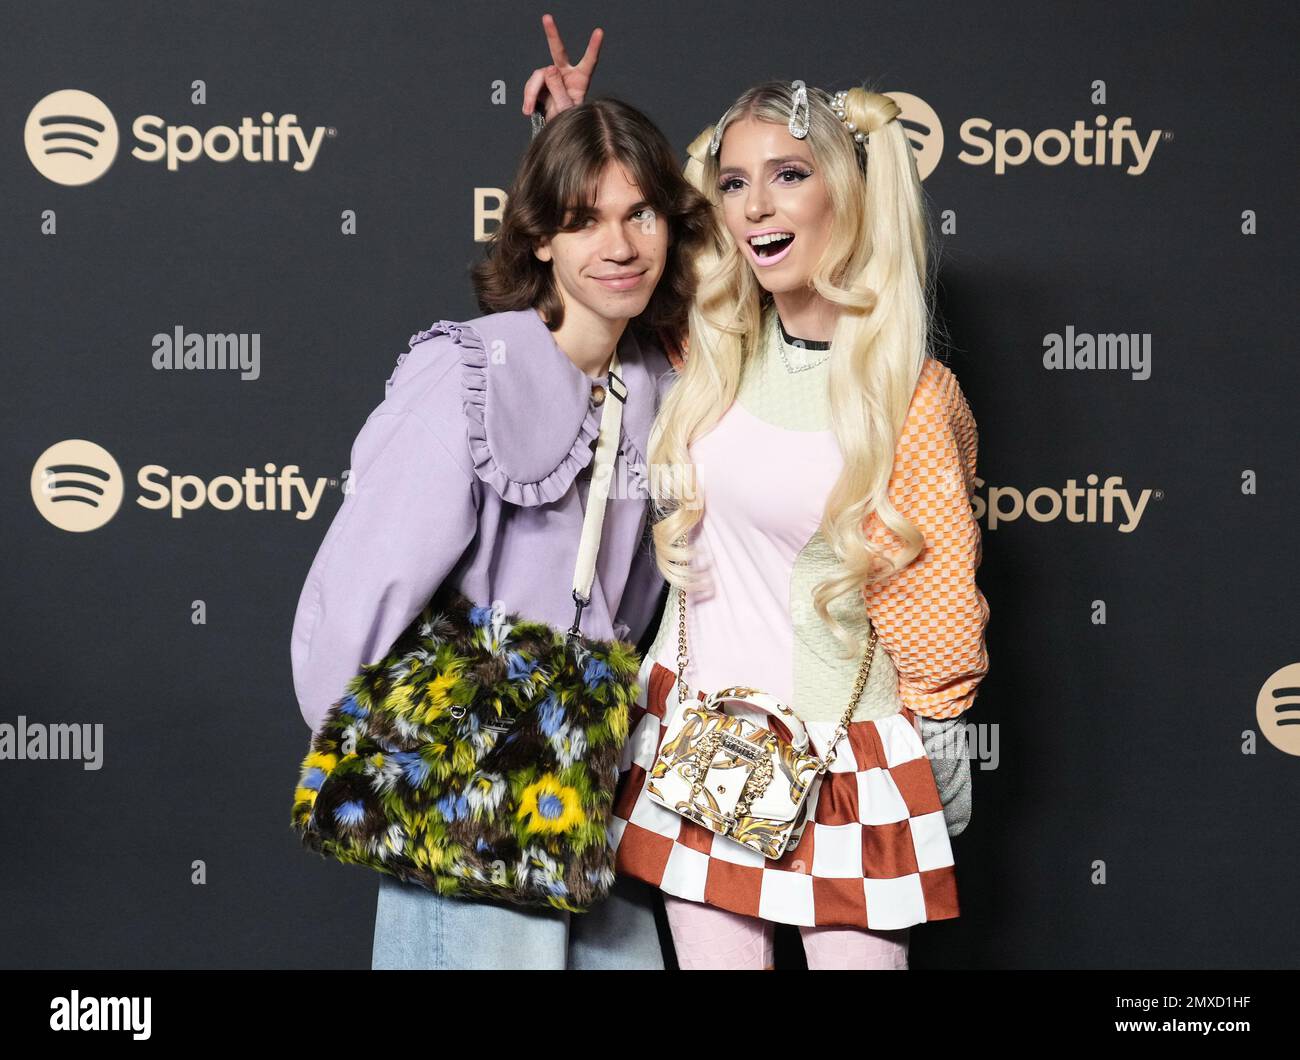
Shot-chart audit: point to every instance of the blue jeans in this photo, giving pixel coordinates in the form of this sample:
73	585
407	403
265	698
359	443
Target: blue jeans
416	928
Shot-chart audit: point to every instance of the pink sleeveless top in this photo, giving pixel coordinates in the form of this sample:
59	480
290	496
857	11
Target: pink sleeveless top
766	487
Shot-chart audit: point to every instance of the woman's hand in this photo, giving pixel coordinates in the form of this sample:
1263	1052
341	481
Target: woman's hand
562	85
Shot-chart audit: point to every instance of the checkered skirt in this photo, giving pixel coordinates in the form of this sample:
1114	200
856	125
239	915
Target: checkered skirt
874	855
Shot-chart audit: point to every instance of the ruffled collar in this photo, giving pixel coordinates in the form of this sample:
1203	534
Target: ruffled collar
528	407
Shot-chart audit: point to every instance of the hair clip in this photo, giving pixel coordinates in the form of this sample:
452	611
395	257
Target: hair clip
837	106
799	125
715	142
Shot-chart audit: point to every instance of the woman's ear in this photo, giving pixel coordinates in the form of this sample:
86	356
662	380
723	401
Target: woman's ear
542	250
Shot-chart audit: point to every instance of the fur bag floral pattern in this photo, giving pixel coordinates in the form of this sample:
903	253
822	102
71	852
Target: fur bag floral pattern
478	758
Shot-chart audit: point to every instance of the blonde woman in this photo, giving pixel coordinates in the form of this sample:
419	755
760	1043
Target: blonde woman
822	468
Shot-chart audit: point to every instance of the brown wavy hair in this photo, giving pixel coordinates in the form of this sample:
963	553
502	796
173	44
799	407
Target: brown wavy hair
558	178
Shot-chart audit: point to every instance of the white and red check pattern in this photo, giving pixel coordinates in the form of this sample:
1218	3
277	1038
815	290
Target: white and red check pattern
875	854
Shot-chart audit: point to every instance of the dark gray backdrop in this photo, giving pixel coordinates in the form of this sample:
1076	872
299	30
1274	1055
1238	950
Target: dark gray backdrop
1119	743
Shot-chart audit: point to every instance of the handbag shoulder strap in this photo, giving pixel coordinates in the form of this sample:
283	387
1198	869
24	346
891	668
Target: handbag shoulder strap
593	520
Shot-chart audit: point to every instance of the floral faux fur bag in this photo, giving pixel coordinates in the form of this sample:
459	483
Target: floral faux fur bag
478	758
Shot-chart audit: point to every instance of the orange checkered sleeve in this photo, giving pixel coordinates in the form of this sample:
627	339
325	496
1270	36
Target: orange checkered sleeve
931	616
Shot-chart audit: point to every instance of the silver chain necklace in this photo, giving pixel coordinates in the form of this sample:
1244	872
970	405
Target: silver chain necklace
794	349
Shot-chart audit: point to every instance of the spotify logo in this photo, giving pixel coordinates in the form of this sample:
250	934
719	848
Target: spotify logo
77	485
71	137
1095	141
1277	709
924	131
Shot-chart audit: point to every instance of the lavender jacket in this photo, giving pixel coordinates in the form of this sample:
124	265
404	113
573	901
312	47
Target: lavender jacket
474	470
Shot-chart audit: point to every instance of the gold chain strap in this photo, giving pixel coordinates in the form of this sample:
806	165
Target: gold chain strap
863	670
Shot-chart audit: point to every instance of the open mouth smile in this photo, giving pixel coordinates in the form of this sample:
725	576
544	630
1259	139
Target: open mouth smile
768	247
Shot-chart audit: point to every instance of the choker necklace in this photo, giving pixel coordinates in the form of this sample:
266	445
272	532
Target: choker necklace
794	352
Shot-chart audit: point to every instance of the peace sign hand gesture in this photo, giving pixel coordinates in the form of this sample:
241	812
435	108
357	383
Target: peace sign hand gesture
562	85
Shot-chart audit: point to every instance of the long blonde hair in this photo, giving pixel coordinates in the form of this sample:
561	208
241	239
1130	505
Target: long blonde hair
875	269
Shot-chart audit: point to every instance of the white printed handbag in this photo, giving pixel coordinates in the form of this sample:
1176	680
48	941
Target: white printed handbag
734	777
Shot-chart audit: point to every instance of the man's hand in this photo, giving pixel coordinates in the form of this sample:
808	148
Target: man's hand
562	85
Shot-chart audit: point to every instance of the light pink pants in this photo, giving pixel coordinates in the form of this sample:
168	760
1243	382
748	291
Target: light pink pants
705	936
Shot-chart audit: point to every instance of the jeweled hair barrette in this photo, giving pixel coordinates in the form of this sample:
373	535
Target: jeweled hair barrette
799	117
798	124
